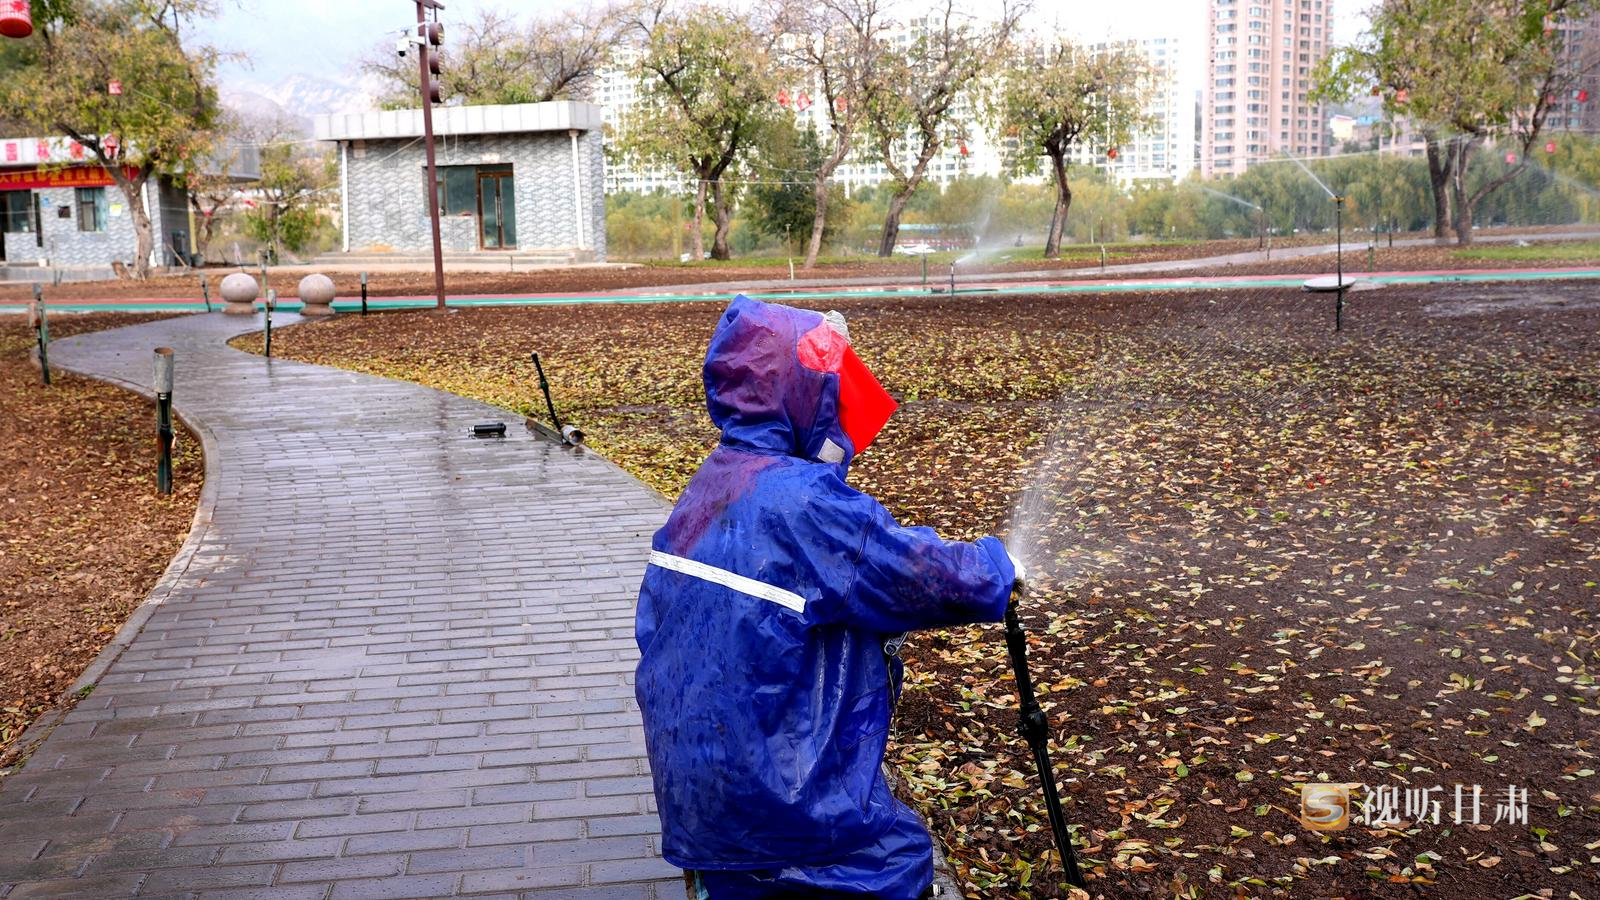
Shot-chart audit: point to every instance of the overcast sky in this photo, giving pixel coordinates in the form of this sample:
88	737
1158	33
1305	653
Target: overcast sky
324	38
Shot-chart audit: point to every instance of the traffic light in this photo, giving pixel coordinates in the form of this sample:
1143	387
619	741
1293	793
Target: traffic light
433	34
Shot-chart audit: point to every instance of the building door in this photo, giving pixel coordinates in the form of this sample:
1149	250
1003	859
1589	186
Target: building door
497	211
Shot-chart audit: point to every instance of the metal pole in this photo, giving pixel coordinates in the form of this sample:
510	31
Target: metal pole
363	293
42	322
427	141
1338	228
1034	727
270	302
952	279
924	270
164	433
205	291
544	386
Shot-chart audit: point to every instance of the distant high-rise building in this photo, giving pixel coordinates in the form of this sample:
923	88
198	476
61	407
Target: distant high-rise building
1258	82
1165	149
1578	109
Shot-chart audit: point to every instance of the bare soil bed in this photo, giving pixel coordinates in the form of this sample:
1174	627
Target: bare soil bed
1269	555
83	534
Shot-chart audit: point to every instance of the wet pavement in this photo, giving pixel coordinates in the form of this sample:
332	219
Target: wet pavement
393	660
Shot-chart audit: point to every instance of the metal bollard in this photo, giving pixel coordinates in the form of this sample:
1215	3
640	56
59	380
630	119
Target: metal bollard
164	433
41	326
205	291
363	293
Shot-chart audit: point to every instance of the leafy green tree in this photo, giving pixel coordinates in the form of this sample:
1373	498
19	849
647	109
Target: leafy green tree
784	207
1469	72
289	196
1056	96
707	78
159	125
915	90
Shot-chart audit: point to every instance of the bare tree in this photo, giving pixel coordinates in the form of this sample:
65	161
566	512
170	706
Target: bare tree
914	92
839	44
494	58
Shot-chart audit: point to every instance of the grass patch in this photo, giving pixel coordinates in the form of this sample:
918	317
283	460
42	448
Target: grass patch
1583	250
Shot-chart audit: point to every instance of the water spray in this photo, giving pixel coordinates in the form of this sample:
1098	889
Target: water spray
1034	726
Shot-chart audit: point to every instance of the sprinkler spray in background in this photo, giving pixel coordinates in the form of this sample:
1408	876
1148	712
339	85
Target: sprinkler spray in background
1034	727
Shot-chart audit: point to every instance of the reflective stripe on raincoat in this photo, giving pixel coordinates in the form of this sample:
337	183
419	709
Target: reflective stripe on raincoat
762	617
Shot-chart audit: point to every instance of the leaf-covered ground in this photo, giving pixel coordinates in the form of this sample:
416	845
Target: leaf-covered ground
1271	555
83	535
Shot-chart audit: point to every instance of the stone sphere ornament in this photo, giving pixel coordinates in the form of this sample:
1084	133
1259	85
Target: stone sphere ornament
240	292
316	292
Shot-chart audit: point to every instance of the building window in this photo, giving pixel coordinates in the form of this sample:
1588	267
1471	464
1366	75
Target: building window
92	209
16	211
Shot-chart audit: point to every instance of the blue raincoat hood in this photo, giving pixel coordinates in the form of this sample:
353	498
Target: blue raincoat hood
764	688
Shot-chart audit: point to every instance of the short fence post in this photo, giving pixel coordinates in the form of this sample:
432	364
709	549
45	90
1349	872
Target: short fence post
363	293
205	291
164	434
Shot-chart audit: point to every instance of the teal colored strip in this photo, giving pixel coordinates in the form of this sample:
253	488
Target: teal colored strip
1116	287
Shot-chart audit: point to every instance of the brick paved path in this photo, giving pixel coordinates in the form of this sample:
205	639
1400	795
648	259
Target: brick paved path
398	662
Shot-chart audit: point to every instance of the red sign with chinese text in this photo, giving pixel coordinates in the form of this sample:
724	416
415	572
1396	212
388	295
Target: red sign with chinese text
77	176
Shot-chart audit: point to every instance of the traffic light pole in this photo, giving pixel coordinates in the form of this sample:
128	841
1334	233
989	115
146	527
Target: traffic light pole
425	49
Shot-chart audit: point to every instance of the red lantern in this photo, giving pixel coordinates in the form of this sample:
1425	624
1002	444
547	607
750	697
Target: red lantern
840	103
111	145
1112	153
962	145
1583	96
1511	159
114	88
802	101
783	99
1402	95
1550	146
16	18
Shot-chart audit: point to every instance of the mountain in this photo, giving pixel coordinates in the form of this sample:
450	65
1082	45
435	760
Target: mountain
299	97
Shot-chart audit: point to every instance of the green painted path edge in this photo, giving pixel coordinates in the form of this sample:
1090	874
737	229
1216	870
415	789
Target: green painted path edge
1104	287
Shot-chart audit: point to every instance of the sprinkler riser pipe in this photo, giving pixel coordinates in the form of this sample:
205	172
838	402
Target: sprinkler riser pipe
1034	727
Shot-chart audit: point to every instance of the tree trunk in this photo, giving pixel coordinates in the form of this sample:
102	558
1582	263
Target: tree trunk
1460	200
819	221
697	246
1439	165
143	238
891	223
1058	220
724	217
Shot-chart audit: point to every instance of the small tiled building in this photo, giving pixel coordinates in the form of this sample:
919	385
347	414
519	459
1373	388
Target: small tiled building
61	211
527	177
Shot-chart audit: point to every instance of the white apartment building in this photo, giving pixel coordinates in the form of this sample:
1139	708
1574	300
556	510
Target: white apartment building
1166	149
1258	81
969	149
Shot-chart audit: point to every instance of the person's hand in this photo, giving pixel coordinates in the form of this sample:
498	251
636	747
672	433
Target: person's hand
1022	574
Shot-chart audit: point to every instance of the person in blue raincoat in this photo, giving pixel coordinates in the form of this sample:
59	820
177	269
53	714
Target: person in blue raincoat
763	620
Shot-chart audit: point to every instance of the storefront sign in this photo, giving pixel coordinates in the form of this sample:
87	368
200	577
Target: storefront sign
74	176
